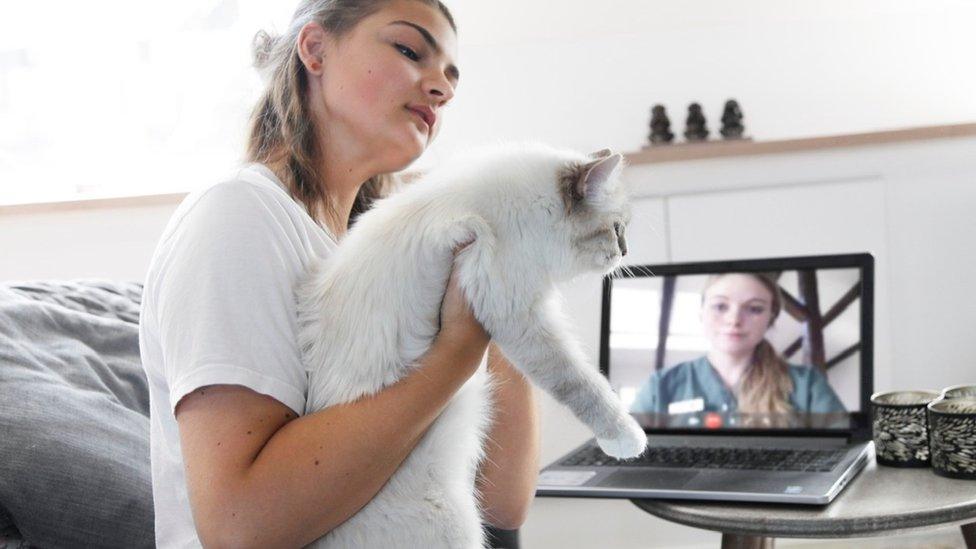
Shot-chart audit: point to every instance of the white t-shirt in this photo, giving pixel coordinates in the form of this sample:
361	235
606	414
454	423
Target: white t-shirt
218	308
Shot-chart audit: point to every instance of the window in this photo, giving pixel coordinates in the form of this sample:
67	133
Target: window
125	97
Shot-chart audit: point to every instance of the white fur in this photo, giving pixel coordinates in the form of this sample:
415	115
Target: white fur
371	311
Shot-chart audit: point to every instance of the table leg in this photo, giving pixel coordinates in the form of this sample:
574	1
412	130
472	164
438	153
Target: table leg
736	541
969	534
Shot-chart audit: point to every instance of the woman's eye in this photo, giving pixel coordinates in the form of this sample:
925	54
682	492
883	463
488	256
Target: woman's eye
757	310
409	53
719	307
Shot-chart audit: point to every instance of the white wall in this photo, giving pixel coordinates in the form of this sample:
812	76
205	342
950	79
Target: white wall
584	74
577	73
114	243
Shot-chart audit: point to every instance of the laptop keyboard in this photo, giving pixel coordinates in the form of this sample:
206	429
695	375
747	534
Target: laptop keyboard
770	459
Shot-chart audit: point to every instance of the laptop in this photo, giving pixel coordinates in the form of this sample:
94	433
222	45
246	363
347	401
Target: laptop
751	378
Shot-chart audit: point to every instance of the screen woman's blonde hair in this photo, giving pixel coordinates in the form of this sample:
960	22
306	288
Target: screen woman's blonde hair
766	386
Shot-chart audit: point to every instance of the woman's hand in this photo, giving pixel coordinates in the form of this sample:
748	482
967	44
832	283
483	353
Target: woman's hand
459	328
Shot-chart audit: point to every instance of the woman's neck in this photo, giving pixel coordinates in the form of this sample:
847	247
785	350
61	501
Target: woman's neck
340	183
730	367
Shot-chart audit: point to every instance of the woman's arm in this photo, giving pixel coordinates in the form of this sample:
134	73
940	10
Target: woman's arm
260	477
507	477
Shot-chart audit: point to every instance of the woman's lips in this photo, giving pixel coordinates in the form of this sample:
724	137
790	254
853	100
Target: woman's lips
420	116
424	114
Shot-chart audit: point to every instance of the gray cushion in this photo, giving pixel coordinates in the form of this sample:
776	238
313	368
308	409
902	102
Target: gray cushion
74	415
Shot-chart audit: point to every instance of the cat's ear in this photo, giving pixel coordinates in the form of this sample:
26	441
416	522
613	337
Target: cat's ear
595	175
580	182
602	153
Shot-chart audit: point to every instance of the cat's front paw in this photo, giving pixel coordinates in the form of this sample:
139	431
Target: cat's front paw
630	441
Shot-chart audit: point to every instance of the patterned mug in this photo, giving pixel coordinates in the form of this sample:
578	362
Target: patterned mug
901	436
953	437
959	391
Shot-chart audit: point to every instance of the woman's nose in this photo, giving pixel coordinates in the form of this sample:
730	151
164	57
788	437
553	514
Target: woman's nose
438	88
734	317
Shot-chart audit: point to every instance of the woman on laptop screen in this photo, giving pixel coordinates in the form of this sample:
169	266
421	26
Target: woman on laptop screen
741	375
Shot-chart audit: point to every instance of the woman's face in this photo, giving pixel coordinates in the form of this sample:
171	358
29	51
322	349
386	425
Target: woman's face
736	313
385	82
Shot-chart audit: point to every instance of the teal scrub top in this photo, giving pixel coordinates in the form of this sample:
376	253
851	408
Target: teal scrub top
698	379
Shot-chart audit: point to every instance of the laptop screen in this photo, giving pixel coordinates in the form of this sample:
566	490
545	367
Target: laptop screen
766	344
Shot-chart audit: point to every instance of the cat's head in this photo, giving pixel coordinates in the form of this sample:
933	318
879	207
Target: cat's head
595	213
566	211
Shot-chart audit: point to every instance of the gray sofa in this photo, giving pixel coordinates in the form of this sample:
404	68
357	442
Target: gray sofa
74	418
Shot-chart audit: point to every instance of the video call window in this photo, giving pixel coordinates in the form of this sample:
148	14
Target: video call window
678	343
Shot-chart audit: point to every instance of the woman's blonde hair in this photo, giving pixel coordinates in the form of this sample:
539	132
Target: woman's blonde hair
282	129
766	386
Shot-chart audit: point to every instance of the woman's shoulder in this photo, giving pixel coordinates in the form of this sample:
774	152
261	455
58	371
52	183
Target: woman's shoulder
250	199
248	189
805	373
681	371
241	219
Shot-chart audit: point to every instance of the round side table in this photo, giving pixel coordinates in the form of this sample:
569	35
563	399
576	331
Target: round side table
880	500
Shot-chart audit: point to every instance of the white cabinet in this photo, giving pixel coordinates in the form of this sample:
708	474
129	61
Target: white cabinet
825	218
778	221
909	205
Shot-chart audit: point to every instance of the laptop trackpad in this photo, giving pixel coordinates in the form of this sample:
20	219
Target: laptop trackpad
649	479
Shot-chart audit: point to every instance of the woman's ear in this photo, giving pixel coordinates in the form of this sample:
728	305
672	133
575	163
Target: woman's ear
311	46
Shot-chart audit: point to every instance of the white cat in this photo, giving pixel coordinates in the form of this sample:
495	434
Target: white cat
538	216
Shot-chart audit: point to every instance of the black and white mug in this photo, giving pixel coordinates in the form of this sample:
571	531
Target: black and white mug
952	424
900	427
959	391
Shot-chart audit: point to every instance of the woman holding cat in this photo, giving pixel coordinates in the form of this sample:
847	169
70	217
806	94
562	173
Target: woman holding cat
356	92
741	371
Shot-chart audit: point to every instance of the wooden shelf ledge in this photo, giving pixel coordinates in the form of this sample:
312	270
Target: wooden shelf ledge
680	152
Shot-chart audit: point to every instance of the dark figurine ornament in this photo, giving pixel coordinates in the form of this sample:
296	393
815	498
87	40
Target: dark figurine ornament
660	127
695	125
732	127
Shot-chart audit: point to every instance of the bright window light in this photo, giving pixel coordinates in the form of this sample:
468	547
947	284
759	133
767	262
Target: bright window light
120	98
635	314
